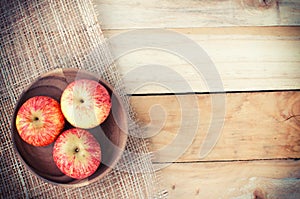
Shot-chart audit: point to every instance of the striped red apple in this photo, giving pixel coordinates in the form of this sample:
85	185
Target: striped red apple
77	153
85	103
39	120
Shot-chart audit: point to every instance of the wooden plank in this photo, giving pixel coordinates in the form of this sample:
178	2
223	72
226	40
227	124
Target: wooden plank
246	58
233	180
123	14
288	11
261	125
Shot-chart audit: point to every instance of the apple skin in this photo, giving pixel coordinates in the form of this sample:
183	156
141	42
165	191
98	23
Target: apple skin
77	153
39	120
85	103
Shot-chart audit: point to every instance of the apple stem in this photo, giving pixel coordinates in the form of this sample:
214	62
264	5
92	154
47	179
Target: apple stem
35	118
76	149
81	101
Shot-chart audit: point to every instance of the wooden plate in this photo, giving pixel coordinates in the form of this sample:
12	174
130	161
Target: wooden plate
112	134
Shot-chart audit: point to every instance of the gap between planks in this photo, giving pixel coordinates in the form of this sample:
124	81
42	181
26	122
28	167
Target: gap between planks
227	161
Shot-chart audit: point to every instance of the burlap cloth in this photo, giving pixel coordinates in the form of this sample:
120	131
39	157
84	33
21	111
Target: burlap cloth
39	36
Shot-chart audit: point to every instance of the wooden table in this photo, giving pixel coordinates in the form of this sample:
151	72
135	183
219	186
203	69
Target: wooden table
255	48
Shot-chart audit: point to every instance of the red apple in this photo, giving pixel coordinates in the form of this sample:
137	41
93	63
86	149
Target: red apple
39	120
77	153
85	103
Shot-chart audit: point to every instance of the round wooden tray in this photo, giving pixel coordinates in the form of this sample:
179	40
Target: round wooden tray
111	134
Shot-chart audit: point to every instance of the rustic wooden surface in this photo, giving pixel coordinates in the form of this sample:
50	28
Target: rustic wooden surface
255	46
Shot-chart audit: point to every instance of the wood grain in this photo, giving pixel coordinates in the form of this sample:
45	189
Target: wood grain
255	46
126	14
234	180
260	125
246	58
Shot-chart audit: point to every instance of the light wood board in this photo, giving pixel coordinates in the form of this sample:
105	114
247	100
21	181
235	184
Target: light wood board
234	180
246	59
262	125
124	14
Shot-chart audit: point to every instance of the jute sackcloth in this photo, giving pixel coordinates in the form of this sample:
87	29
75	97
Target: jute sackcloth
37	36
